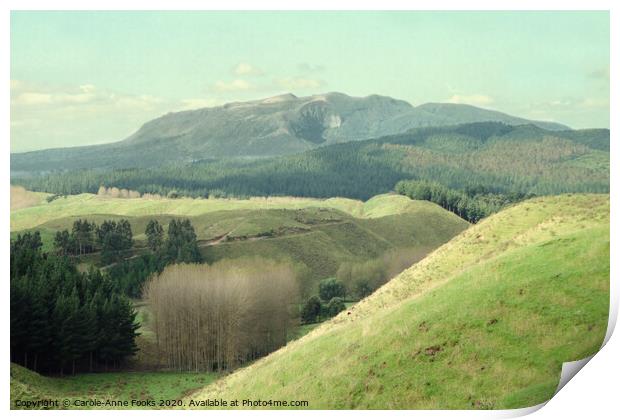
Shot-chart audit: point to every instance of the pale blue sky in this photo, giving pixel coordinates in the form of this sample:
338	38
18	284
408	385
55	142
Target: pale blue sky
91	77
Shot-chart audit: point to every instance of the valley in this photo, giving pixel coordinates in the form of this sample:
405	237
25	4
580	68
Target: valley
309	209
504	301
394	265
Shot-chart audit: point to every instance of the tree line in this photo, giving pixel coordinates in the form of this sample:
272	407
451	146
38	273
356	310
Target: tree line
178	245
472	204
113	238
63	320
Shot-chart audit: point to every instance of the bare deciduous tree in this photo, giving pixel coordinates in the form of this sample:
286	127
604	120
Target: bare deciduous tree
220	316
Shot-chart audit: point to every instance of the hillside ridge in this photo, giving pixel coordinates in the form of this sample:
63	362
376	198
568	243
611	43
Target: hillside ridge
477	287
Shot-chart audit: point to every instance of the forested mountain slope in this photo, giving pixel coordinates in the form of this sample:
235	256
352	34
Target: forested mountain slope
485	321
494	156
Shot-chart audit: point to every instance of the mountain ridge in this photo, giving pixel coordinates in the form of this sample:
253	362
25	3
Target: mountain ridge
280	125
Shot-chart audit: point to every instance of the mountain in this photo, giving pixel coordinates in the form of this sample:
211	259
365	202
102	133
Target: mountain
484	322
280	125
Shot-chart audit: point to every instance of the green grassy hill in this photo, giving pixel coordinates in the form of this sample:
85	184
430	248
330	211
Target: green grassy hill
485	321
316	234
84	205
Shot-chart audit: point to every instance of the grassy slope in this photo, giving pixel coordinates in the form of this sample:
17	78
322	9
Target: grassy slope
319	234
124	386
485	321
90	204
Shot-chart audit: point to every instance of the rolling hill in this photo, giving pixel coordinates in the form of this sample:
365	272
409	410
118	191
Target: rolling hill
276	126
485	321
316	235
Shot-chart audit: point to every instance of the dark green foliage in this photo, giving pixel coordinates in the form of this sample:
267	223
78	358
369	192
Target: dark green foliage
331	288
53	197
473	204
63	320
363	288
311	310
335	306
129	276
181	245
503	159
328	304
64	242
154	235
25	250
115	240
83	234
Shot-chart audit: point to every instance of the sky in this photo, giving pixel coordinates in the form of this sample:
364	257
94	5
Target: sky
80	78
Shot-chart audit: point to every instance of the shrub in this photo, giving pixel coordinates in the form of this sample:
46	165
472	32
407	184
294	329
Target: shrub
311	310
331	288
335	306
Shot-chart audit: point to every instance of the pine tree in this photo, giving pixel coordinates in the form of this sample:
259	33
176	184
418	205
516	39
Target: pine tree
155	235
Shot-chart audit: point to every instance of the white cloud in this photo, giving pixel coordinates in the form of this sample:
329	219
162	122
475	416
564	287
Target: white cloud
51	116
87	88
232	86
577	111
292	83
595	103
87	96
32	98
476	99
144	102
246	69
573	103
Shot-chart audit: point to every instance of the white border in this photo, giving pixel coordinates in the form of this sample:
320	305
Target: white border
593	393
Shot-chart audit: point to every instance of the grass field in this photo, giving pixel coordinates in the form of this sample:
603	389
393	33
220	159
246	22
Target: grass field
485	321
117	386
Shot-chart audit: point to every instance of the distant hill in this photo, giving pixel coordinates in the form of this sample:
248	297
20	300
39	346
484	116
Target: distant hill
276	126
496	156
317	235
484	322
